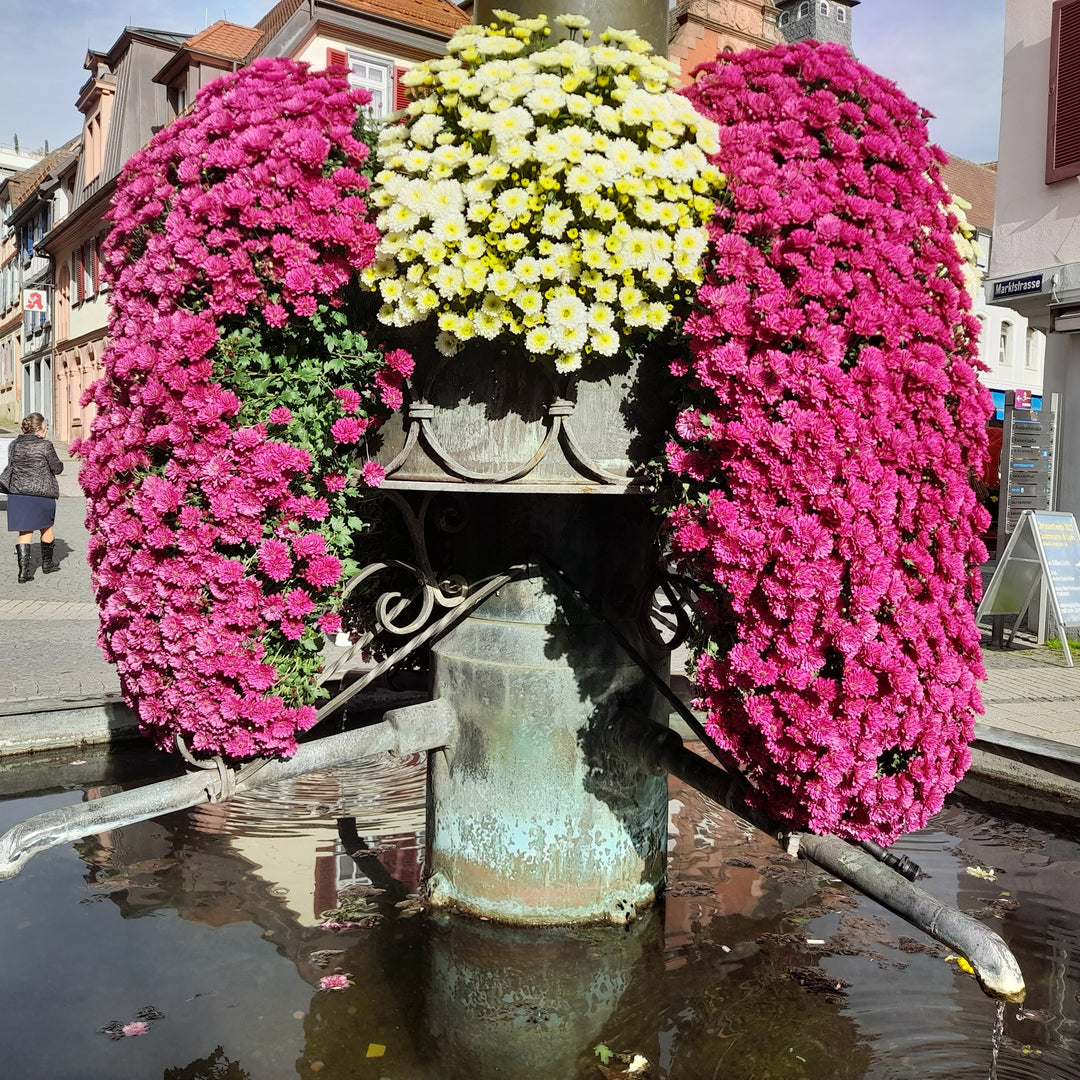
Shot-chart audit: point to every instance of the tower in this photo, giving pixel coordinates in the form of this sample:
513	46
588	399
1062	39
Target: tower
819	20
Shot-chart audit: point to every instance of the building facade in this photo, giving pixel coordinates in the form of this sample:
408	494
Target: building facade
1035	263
702	29
146	80
31	201
816	20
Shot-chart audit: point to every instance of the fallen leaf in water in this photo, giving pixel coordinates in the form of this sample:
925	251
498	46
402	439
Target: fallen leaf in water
981	872
375	1050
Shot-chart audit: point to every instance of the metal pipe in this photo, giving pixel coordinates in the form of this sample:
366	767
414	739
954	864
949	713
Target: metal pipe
993	963
428	727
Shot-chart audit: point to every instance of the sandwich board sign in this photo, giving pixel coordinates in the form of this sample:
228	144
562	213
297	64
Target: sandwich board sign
1044	549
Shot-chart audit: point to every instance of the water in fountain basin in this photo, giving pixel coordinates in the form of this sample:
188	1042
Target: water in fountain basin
756	966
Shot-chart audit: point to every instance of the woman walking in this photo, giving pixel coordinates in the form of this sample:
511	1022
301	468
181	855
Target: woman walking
32	494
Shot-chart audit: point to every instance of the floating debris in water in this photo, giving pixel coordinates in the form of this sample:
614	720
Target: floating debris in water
336	982
322	957
119	1029
983	872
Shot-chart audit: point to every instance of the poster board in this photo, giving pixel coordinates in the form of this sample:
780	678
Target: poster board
1044	548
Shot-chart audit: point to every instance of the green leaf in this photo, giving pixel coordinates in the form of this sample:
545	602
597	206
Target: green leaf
603	1053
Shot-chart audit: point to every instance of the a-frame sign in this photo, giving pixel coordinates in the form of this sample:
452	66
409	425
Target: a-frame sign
1044	547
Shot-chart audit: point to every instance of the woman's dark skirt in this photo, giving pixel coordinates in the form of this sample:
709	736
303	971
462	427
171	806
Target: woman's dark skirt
27	513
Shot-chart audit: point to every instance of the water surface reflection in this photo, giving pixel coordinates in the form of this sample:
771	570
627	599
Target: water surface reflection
755	967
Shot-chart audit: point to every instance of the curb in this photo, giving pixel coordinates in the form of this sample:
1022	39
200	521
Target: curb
54	725
1024	761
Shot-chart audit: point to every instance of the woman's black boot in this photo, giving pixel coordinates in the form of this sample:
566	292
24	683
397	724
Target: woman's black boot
47	564
26	572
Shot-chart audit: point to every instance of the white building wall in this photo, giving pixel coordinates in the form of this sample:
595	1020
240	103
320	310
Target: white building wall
1037	225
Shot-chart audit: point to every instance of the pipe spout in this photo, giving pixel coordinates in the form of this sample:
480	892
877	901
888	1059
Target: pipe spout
995	967
402	731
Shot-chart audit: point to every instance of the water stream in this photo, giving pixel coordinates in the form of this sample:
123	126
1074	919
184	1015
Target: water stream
755	968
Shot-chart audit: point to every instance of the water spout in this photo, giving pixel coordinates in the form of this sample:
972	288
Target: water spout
427	728
995	967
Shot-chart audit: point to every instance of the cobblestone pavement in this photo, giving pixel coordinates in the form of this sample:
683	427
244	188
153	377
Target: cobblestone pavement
49	657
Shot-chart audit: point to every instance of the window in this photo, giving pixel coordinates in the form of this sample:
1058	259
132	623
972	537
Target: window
1005	344
369	73
1063	114
804	9
841	14
1033	353
784	16
824	8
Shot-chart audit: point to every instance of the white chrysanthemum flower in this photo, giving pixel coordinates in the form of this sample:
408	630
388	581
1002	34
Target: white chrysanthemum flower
514	153
445	197
427	301
447	344
450	228
416	76
515	242
669	215
473	247
548	147
659	274
606	291
555	220
529	301
601	315
604	341
397	218
578	105
638	250
527	269
567	362
580	181
502	283
566	309
425	129
449	281
513	202
511	123
608	119
538	340
488	324
475	275
545	101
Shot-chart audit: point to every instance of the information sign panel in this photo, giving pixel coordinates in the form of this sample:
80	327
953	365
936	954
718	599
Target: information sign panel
1044	547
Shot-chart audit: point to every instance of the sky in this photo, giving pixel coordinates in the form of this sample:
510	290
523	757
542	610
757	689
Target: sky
945	54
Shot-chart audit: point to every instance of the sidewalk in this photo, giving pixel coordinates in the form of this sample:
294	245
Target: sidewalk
50	662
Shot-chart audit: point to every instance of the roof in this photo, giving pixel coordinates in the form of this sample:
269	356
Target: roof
164	38
225	39
976	184
23	184
439	16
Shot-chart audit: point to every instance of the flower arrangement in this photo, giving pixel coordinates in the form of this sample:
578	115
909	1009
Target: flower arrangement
218	469
549	191
821	469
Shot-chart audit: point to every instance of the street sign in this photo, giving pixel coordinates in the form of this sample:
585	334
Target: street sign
1044	548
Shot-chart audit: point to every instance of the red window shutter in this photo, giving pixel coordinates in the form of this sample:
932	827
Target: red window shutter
1063	121
337	58
95	264
401	97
